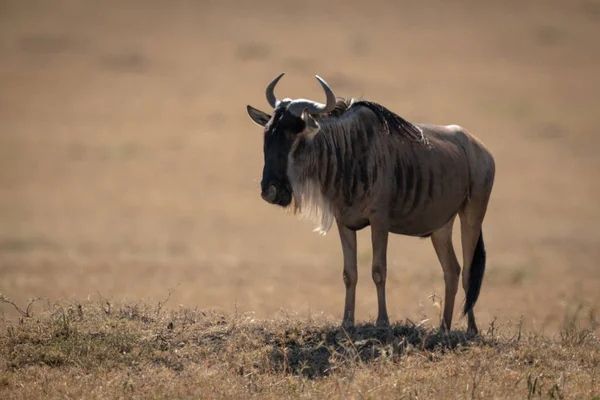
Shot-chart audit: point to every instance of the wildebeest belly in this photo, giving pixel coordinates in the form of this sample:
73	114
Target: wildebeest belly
426	221
429	203
421	223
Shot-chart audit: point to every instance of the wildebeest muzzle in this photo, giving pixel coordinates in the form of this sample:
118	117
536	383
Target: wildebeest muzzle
269	195
276	194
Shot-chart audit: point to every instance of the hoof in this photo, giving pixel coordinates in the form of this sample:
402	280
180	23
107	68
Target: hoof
472	330
348	325
382	323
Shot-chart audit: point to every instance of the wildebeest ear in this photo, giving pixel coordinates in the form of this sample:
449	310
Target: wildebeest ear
259	117
312	126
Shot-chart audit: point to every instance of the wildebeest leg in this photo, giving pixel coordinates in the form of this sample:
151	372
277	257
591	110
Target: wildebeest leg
471	218
348	238
442	243
379	239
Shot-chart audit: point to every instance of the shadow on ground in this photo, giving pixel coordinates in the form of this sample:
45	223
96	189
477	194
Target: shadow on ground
316	351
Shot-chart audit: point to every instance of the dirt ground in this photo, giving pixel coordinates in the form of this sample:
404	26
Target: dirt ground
128	164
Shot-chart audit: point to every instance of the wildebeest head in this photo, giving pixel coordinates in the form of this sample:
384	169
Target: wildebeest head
290	120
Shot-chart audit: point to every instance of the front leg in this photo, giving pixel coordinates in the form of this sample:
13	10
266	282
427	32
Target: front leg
379	238
348	238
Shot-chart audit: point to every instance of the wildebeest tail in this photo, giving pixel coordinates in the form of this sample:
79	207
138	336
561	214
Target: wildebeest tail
476	274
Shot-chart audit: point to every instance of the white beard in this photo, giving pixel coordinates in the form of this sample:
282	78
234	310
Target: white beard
310	204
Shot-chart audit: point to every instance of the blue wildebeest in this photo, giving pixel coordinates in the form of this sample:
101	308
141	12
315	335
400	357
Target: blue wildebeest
359	164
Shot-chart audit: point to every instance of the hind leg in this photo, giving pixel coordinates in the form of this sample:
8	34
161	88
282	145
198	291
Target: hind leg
471	219
442	243
469	235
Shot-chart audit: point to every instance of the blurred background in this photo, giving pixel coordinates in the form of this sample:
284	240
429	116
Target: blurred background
128	164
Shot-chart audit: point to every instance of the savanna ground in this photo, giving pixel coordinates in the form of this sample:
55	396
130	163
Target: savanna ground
129	170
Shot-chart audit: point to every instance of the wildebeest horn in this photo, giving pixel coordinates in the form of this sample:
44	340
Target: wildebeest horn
297	106
270	95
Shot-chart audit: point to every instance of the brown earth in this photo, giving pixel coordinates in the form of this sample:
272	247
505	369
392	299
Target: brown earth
128	164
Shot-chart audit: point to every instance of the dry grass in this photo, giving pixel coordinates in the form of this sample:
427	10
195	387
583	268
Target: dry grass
103	350
128	162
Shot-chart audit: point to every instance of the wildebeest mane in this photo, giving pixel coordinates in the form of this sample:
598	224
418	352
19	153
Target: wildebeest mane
392	123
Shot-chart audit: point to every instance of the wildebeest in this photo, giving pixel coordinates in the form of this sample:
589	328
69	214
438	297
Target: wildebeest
356	162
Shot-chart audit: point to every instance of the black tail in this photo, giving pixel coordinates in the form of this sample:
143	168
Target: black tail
476	274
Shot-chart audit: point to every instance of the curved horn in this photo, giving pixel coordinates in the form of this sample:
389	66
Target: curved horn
313	107
270	95
330	105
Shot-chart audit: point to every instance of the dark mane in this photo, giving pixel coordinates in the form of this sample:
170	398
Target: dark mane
392	123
